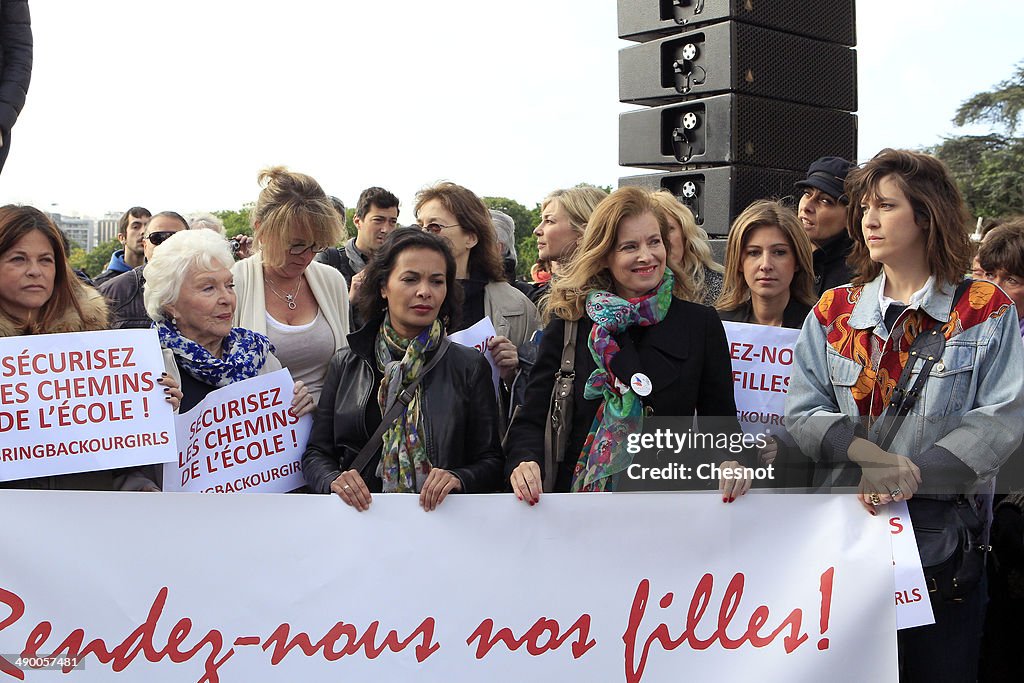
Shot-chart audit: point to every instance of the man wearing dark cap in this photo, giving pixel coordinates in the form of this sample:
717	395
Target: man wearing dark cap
823	214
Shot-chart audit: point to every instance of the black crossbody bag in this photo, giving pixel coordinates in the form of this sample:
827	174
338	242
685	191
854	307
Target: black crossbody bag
950	533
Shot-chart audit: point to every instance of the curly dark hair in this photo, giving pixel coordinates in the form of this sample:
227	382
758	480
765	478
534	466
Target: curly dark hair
369	301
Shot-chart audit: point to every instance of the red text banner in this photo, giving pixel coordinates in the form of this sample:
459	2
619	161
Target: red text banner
594	587
81	402
241	439
762	360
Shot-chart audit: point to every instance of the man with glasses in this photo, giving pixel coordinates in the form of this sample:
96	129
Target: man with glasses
124	292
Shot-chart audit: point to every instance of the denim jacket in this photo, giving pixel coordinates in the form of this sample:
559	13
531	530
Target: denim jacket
971	407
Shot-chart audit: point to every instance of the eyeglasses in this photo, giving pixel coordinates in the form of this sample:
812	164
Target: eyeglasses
437	227
158	238
299	250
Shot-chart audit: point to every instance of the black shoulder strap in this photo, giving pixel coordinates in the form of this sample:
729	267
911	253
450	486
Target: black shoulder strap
928	346
373	446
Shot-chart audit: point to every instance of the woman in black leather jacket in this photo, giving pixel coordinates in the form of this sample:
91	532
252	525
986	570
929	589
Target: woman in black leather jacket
409	296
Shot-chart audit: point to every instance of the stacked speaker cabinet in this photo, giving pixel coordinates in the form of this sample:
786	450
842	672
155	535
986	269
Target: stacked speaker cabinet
740	97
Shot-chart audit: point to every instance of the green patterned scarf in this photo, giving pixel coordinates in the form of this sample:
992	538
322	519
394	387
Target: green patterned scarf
404	464
604	450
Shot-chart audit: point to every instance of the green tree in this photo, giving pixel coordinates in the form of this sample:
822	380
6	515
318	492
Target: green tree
526	249
987	167
525	220
988	170
236	222
1001	107
95	262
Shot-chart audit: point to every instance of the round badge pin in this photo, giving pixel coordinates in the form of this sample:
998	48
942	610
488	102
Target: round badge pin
641	384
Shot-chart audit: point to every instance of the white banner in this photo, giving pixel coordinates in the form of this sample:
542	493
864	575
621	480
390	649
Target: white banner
477	337
241	439
913	606
582	587
762	359
81	402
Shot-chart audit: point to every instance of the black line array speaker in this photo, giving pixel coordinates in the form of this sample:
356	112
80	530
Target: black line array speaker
829	20
717	195
734	129
735	57
742	96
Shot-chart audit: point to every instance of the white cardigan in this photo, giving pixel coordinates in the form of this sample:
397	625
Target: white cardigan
327	285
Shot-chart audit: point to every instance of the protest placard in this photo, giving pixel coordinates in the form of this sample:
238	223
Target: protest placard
762	359
636	588
241	439
477	337
913	605
81	402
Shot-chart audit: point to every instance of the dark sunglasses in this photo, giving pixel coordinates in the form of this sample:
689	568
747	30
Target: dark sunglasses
158	238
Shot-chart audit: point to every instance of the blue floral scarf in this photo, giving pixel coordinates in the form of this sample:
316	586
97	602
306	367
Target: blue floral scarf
245	354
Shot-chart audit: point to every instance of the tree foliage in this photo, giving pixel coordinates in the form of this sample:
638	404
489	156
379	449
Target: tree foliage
524	219
95	262
236	222
988	167
526	249
1001	107
988	170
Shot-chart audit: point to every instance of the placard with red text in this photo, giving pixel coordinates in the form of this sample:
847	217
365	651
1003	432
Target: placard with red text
477	337
762	359
241	439
638	588
81	402
913	604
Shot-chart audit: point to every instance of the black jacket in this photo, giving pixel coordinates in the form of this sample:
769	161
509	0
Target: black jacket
685	356
337	258
792	317
124	294
15	66
459	407
830	269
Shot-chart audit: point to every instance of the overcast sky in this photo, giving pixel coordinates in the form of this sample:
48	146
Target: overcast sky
177	105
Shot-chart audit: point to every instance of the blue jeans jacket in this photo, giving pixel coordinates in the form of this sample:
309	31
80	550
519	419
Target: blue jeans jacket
972	405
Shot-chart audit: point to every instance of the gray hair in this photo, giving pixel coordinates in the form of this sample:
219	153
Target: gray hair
206	220
506	229
175	260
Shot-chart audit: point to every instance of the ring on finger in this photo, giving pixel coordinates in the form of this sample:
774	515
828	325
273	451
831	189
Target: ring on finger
876	499
346	487
895	492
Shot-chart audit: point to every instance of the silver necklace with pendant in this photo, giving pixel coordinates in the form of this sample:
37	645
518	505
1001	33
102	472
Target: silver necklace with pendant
287	298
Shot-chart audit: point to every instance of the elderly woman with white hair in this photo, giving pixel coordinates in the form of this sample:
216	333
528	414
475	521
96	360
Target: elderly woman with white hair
190	296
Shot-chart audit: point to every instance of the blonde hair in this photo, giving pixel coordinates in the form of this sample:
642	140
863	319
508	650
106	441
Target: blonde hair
290	205
578	203
588	270
696	254
761	214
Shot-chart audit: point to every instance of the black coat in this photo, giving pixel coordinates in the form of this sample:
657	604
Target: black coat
830	268
459	408
127	306
792	317
15	66
685	356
